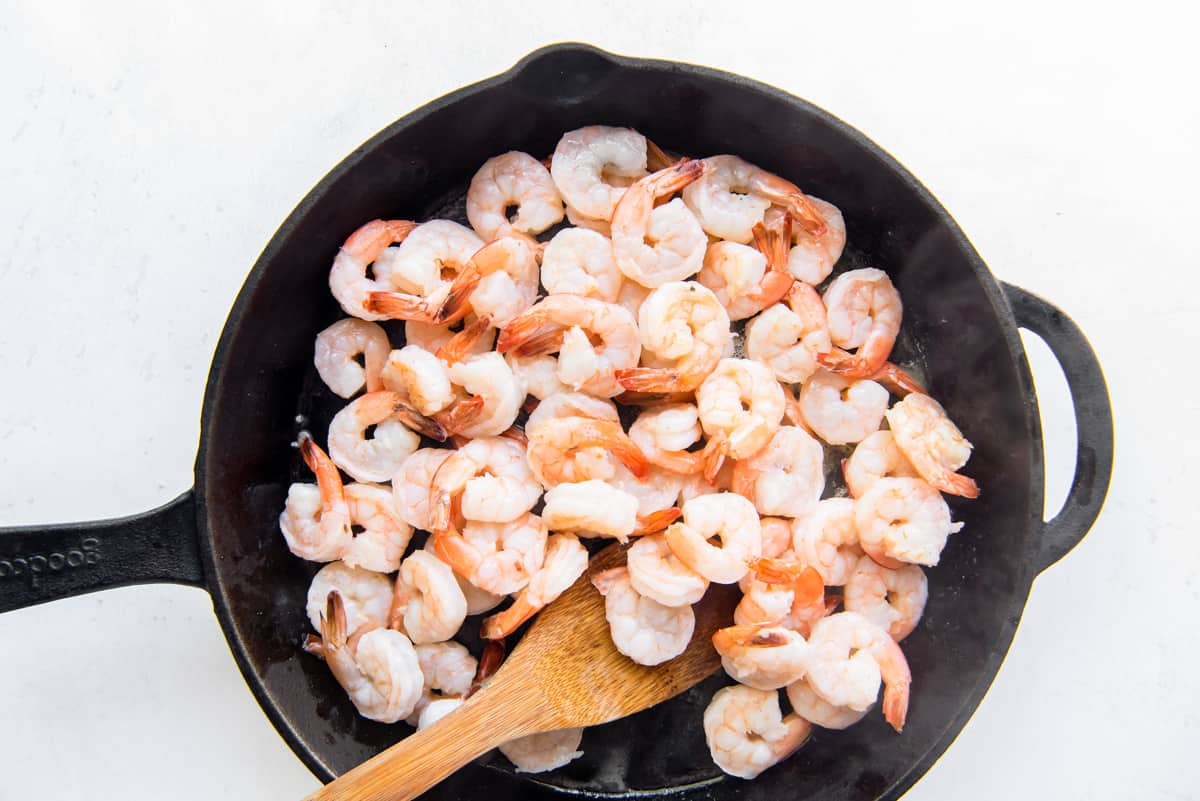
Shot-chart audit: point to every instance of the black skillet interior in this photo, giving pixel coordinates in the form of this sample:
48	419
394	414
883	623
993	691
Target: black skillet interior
955	332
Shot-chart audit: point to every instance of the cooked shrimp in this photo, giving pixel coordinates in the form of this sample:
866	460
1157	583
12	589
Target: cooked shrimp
570	404
776	536
316	519
727	517
842	410
478	601
811	258
803	604
747	733
422	271
381	676
696	484
348	279
493	479
580	262
420	377
336	353
827	539
819	712
379	457
488	377
434	711
655	572
428	606
932	444
643	629
500	280
762	656
586	161
582	221
742	403
734	194
744	284
448	670
366	596
566	560
411	485
632	296
594	507
874	458
786	477
894	600
434	337
496	557
656	491
384	536
616	330
554	444
849	657
548	750
683	322
656	244
664	433
538	374
512	179
903	520
864	312
788	338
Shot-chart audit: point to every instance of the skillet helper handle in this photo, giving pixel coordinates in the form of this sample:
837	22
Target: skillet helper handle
44	563
1093	422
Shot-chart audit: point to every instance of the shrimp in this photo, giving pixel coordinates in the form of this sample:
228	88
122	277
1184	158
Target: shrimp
681	321
841	410
747	733
816	710
512	179
427	605
420	377
655	572
782	591
316	519
336	351
696	485
594	507
762	656
498	558
643	629
827	540
348	278
932	444
547	750
433	338
786	477
849	657
478	601
447	668
566	560
500	280
581	221
580	262
742	403
492	477
488	377
903	520
812	258
664	433
570	404
434	711
788	338
746	284
377	458
632	296
385	535
538	374
411	485
864	311
653	245
586	161
554	443
366	596
734	194
423	271
655	492
728	517
616	330
894	600
381	676
874	458
776	536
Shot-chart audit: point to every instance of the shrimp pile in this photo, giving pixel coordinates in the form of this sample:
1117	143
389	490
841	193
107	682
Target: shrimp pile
561	385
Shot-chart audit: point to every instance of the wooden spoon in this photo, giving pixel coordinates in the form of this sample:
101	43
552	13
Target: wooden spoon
565	672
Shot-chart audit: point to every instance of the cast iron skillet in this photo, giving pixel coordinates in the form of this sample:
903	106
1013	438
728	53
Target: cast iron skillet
960	329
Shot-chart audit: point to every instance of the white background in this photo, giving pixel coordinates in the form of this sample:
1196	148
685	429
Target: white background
151	149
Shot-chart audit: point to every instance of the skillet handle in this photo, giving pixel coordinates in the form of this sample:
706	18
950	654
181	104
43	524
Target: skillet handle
1093	422
43	563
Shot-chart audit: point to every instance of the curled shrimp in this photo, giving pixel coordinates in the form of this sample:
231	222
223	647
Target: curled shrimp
589	164
653	245
776	536
427	605
489	379
644	630
842	410
747	281
566	560
682	322
366	596
932	444
664	434
381	675
554	443
547	750
799	609
498	558
379	457
786	477
433	338
336	353
448	670
812	257
747	733
864	311
763	656
422	271
632	296
512	179
478	601
490	476
500	281
384	534
903	520
316	519
894	600
348	278
655	492
567	324
742	403
788	338
420	377
594	507
727	517
734	194
538	374
819	712
656	572
827	540
412	482
570	404
850	655
874	458
580	262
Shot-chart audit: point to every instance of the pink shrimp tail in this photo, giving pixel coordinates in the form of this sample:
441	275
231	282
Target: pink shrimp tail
895	704
897	381
657	158
713	456
333	622
955	484
527	330
676	177
502	624
656	521
372	238
458	347
806	213
460	415
653	379
489	662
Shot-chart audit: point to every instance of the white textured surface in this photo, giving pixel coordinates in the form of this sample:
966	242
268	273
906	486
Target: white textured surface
150	150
